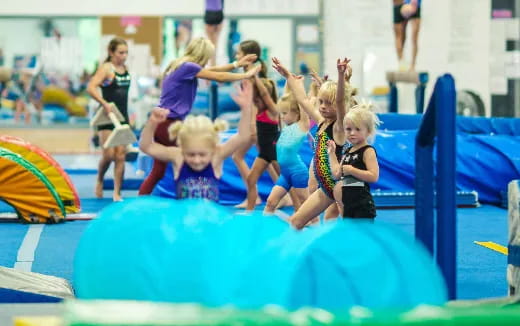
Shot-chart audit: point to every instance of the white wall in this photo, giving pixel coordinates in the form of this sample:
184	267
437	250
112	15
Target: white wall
23	36
454	38
155	7
277	37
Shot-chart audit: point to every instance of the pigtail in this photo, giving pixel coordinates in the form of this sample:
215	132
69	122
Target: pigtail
350	93
173	130
220	125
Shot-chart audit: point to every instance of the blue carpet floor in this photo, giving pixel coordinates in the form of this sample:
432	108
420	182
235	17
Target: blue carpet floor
481	272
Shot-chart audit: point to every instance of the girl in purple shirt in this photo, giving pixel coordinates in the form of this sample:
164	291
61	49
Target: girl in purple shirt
198	161
179	87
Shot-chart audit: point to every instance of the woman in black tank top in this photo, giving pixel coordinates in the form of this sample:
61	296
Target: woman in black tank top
114	80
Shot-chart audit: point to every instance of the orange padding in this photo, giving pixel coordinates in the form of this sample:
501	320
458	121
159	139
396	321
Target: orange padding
26	193
49	167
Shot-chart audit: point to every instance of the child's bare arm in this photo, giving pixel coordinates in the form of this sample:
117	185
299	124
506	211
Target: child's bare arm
266	97
146	143
244	98
340	94
335	167
243	62
297	89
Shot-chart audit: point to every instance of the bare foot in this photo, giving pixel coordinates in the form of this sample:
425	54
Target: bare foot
99	189
244	203
117	197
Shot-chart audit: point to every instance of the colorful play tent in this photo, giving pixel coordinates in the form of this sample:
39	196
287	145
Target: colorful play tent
34	183
28	190
49	167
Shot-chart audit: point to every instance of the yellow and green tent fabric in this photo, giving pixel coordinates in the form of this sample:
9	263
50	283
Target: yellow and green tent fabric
49	167
28	190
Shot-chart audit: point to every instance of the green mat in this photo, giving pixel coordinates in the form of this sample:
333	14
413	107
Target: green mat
104	313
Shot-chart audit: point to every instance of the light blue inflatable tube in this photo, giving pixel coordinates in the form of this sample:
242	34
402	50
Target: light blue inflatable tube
148	248
340	265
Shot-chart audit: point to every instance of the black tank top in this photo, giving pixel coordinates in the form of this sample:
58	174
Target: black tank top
355	159
117	92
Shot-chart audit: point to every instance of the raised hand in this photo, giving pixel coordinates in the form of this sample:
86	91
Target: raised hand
342	65
246	60
244	95
277	65
344	68
159	115
318	81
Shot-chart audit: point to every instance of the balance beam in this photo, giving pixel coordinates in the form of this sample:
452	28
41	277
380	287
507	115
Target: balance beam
420	79
411	77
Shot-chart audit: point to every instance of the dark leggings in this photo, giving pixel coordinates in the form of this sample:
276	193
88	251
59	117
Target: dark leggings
159	167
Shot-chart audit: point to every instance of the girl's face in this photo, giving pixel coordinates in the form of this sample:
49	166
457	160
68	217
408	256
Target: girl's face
240	54
120	54
289	116
327	108
197	154
355	135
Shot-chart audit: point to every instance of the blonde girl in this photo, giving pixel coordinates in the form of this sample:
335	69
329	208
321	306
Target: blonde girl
359	166
198	160
294	172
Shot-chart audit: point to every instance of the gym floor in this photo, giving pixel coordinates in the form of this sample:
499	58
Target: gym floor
481	272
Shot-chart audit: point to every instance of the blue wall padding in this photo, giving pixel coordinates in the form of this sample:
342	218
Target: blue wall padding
232	188
485	163
195	251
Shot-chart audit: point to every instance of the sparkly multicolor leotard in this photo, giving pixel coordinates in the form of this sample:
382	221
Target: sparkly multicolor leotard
197	184
321	163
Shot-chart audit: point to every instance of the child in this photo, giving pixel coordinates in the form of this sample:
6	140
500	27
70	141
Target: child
198	160
294	172
333	99
268	131
358	166
245	48
179	87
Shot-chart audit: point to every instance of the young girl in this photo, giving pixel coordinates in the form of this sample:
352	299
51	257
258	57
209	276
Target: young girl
114	80
268	131
333	99
294	172
317	81
358	166
245	48
198	160
179	87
